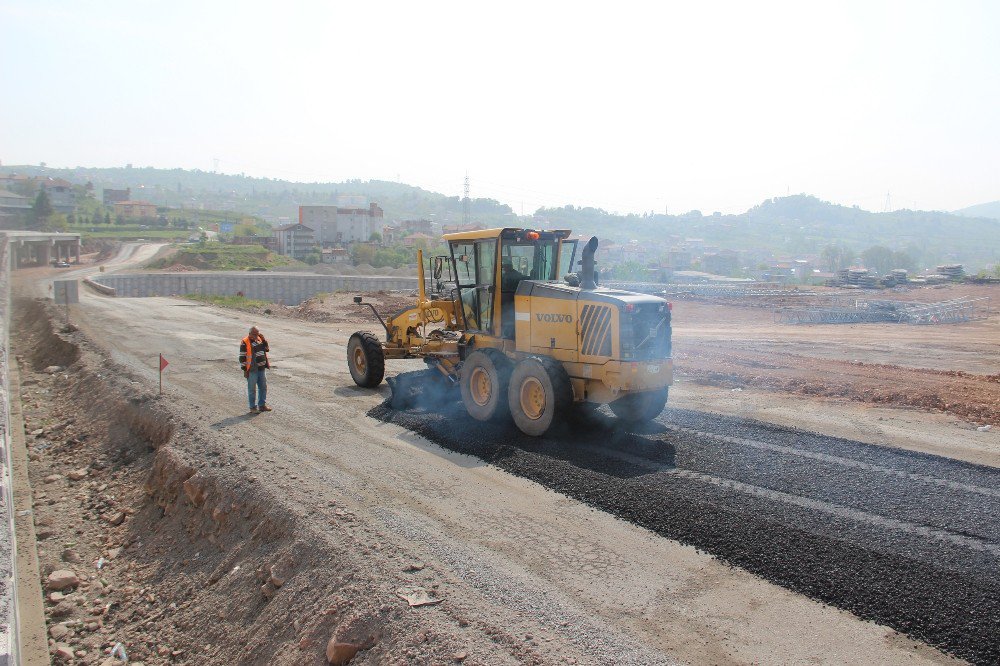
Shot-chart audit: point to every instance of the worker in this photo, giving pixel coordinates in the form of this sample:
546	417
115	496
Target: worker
510	277
253	361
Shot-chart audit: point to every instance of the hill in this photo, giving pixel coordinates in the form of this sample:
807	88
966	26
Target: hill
990	210
802	224
269	198
798	224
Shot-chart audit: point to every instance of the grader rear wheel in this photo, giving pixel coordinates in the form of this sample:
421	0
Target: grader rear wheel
540	395
485	375
365	359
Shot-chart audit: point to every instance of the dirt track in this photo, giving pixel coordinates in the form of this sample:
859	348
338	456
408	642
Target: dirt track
510	558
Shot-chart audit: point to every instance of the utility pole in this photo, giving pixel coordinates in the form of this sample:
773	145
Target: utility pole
466	202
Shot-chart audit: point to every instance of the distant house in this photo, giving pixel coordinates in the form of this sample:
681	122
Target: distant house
110	197
336	255
295	240
14	209
335	225
418	239
135	210
269	242
59	190
14	203
461	228
418	226
725	262
679	260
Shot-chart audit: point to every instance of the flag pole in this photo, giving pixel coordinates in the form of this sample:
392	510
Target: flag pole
161	374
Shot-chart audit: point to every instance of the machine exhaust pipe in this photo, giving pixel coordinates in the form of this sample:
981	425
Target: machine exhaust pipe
588	273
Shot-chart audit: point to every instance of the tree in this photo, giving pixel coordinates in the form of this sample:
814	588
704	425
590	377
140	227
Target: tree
107	217
362	254
878	258
41	210
836	257
376	237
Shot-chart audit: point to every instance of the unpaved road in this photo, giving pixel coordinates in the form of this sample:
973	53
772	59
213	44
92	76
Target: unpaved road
575	582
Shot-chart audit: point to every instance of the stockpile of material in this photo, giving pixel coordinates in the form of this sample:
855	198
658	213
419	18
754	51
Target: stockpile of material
860	278
953	272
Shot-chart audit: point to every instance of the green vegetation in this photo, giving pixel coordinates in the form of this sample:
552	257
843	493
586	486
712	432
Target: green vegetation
801	224
237	302
222	257
175	188
128	232
794	225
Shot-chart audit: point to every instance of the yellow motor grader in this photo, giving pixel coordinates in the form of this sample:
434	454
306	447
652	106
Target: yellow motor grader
505	318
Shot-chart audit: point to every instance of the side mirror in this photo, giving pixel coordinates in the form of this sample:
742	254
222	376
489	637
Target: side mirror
357	299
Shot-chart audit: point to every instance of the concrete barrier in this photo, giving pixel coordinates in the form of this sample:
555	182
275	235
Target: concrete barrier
99	288
284	288
8	544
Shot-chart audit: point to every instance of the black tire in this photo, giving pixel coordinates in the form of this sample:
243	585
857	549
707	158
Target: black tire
484	380
637	408
540	395
365	359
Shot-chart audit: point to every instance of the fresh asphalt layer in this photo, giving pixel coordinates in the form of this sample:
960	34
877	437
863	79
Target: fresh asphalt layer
905	539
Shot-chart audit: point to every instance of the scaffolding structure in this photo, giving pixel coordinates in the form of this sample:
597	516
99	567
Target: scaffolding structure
864	311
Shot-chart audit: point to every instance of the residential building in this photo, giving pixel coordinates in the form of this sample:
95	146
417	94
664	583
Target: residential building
295	240
14	203
110	197
59	190
60	193
336	255
14	210
335	226
391	235
135	210
418	238
724	262
461	228
417	226
679	260
269	242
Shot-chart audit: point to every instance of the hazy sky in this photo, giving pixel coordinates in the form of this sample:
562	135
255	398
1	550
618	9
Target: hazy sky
708	105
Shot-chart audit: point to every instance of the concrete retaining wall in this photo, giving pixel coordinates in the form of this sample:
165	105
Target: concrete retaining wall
8	545
284	288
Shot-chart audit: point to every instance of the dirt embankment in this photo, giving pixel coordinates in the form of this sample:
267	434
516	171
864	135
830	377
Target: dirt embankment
157	538
969	396
339	308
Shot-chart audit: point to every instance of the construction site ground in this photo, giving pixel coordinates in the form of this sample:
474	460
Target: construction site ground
717	535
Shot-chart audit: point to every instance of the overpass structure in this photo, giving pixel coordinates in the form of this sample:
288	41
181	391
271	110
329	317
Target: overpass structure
38	248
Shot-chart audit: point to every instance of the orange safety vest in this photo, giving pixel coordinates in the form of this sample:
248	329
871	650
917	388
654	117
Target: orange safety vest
249	348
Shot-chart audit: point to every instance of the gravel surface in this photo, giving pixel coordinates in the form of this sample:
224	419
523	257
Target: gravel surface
905	539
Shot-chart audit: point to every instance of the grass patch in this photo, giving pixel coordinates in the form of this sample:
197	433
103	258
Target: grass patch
129	232
223	257
236	302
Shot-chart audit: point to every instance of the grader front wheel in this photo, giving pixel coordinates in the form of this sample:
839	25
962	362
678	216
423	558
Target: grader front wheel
365	359
485	375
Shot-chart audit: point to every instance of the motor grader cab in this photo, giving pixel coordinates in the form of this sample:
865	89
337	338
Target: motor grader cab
522	335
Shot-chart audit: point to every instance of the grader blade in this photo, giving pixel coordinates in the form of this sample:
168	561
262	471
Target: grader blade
425	389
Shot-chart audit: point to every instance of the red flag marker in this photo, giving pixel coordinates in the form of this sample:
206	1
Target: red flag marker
163	364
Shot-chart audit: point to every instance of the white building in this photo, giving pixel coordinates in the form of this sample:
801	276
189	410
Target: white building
337	226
